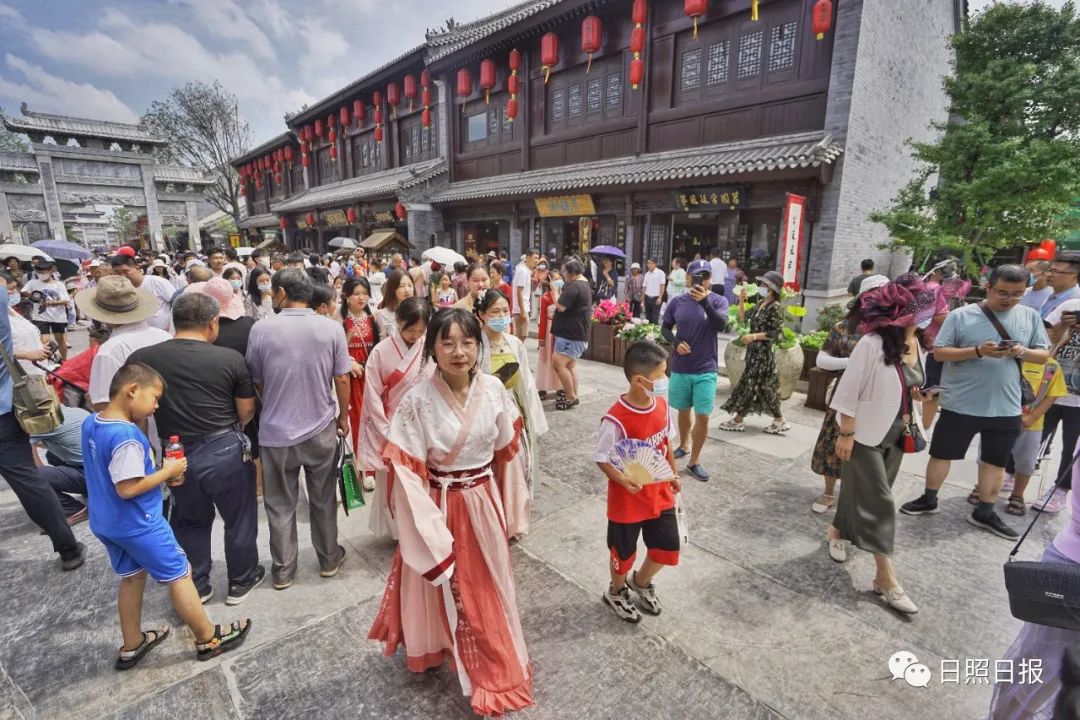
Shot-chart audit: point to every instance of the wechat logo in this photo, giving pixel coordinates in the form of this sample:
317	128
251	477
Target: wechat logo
905	666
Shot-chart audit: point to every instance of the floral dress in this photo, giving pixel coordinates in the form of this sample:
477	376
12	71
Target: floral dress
758	390
839	344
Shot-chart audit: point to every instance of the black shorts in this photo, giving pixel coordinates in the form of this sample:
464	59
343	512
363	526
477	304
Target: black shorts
49	328
661	538
954	432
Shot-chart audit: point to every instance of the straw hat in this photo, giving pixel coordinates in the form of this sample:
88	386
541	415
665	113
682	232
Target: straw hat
117	302
222	291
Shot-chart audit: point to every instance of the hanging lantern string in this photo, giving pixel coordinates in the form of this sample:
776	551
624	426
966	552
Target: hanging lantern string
753	10
695	27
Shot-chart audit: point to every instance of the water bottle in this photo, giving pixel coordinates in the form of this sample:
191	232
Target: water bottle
175	450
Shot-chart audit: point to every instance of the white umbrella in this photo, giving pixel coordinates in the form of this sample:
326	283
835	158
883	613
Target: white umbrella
342	243
22	252
443	256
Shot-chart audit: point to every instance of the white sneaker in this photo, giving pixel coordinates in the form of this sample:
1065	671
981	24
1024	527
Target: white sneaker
1056	503
646	594
621	604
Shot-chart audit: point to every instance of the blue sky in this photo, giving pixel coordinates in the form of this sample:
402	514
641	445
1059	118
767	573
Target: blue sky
110	59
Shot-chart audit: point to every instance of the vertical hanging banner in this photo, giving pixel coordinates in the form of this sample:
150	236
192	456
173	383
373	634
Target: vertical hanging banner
793	229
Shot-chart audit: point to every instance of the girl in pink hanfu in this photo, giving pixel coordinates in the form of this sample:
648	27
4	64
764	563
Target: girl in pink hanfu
450	594
393	368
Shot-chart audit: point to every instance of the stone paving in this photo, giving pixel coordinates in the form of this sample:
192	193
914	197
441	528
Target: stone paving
758	622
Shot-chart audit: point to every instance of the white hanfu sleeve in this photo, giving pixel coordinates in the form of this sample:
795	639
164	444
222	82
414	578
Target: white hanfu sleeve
426	544
509	469
374	426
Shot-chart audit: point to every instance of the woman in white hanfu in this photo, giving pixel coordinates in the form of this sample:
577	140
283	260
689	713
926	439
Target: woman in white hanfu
393	368
450	594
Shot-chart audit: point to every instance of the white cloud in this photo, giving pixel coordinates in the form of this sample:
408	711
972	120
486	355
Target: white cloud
48	93
324	46
273	17
95	51
227	20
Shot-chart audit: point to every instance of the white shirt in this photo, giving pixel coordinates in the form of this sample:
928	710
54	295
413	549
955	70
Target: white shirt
523	280
654	281
1054	317
53	290
719	270
112	355
24	336
163	290
870	391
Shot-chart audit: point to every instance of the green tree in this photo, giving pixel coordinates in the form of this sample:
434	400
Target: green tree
123	221
12	142
1003	170
205	130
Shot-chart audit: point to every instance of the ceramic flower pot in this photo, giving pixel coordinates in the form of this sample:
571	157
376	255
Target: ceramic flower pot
789	365
735	362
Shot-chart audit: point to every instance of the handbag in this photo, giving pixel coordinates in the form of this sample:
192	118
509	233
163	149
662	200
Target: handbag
1044	593
36	407
911	440
1027	395
352	492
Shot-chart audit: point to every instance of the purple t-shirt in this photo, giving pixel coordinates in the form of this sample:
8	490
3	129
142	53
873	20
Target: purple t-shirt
295	355
697	328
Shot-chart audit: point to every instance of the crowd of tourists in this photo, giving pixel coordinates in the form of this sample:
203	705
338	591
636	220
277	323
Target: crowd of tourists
267	369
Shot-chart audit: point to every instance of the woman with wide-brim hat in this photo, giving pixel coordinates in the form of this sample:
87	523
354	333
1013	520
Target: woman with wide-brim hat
758	390
49	303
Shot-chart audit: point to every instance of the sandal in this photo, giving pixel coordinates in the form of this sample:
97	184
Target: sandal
973	498
823	504
220	643
732	426
1016	506
778	428
128	659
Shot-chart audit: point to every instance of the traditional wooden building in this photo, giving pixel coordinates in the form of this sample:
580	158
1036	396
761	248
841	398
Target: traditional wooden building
665	128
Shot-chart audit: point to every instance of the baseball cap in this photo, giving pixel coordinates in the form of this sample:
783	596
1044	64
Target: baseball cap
698	267
635	266
126	250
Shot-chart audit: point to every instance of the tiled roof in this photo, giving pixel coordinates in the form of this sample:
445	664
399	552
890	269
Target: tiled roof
257	221
462	35
370	187
782	152
36	122
19	162
180	174
271	144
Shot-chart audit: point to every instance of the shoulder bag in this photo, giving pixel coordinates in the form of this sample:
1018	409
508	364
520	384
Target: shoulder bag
911	440
36	407
1040	592
1027	395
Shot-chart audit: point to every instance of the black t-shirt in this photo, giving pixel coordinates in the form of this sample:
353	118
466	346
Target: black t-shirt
853	286
201	384
573	323
319	275
234	334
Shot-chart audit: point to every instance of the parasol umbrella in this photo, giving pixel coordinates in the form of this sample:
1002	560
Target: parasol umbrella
23	253
444	256
63	249
342	243
609	250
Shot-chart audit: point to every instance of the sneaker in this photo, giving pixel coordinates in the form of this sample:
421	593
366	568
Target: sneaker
732	426
77	517
331	572
778	428
1009	483
206	596
698	472
239	593
680	453
993	523
1053	503
73	559
369	483
621	604
919	506
646	594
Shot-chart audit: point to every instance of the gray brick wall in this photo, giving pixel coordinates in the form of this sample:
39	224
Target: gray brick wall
422	224
889	59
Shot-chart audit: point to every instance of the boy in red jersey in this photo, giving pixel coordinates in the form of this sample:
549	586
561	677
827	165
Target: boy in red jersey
636	509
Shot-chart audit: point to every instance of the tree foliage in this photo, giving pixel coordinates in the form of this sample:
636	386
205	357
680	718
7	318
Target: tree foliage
1003	170
205	130
124	222
11	142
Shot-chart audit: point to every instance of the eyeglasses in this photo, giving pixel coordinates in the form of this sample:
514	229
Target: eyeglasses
1008	295
1059	271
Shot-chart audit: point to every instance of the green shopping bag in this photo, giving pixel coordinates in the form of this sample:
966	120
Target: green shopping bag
352	490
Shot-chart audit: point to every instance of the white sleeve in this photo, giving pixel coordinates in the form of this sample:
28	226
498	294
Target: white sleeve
825	361
1068	306
128	461
609	434
101	375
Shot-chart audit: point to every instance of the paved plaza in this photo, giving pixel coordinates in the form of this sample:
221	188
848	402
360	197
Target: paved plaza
758	622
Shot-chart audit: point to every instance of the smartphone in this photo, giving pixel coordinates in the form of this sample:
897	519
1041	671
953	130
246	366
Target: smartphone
1074	314
932	391
698	280
1006	344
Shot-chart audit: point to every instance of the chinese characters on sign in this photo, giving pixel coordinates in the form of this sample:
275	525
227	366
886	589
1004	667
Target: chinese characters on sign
335	218
728	197
792	240
565	206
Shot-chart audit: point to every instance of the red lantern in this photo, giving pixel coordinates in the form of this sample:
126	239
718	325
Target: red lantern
695	9
310	218
513	85
515	59
592	35
331	121
333	153
425	78
512	108
378	133
350	215
425	117
637	43
258	183
242	191
279	178
378	117
425	97
318	128
290	154
637	40
487	78
393	97
283	223
358	112
822	17
343	115
637	72
410	89
640	12
376	99
549	53
464	84
305	160
399	210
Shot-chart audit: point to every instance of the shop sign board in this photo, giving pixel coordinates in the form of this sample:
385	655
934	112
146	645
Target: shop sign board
711	199
794	229
565	206
335	218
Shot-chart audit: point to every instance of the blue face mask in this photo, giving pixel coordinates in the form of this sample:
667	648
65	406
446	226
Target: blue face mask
1031	279
763	291
499	324
13	300
659	388
236	284
558	284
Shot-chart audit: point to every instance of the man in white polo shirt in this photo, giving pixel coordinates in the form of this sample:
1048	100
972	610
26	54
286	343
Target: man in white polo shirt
520	304
718	268
655	282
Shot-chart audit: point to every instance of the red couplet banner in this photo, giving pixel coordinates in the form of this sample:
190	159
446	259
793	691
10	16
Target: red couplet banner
794	231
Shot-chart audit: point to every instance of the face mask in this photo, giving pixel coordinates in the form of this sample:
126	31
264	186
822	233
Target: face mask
1031	280
13	300
763	291
558	284
236	284
263	288
499	324
659	388
44	275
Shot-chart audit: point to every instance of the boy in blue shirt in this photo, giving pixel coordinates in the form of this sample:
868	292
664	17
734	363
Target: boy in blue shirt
125	502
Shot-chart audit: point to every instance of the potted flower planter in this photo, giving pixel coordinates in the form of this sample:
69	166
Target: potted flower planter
788	366
602	342
618	355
